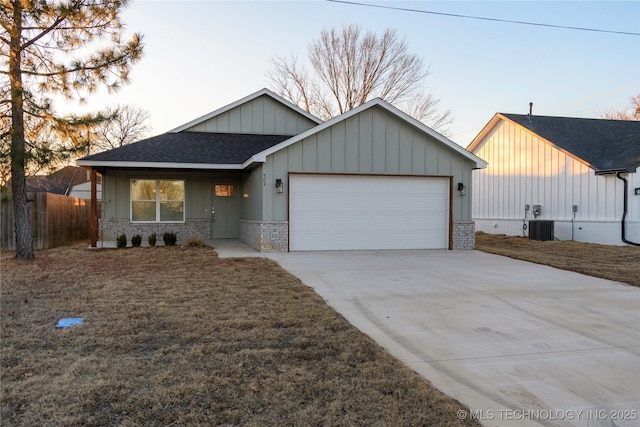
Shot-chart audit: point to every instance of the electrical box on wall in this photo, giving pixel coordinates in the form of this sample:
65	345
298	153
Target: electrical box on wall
537	210
637	191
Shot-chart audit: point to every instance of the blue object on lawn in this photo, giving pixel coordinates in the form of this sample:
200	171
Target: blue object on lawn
70	321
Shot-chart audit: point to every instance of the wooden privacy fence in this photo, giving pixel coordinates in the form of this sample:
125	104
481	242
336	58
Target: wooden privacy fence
56	220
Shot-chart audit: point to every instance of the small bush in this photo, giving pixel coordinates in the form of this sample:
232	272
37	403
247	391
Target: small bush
196	242
136	240
169	239
152	239
121	241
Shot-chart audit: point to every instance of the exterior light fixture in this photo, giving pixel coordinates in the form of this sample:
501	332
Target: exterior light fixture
279	186
462	189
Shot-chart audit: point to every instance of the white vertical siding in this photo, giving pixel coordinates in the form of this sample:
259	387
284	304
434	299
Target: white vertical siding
524	169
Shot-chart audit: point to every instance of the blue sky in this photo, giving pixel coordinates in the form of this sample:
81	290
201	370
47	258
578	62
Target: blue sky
202	55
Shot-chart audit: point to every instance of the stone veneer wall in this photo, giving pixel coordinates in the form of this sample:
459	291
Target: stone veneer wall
464	235
109	229
265	236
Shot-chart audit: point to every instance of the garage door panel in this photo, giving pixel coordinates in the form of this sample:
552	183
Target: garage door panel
337	212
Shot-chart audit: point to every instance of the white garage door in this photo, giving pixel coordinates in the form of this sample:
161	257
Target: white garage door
347	212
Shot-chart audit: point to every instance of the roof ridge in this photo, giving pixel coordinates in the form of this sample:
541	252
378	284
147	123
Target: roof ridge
567	117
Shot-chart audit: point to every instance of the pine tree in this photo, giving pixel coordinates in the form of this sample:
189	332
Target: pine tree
54	48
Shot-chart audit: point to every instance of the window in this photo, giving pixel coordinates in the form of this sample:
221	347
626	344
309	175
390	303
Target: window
223	190
157	200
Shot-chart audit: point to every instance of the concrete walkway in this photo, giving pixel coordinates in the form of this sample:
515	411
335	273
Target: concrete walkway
519	343
233	248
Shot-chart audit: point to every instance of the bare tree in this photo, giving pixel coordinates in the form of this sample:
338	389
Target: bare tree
124	124
350	68
38	44
633	113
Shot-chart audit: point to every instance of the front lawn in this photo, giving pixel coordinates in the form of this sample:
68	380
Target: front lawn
617	263
177	336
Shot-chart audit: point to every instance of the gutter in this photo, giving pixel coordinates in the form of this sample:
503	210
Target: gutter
625	208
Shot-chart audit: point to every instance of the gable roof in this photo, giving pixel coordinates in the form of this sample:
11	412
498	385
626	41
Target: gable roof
260	157
191	150
44	184
606	146
207	150
69	176
58	182
244	100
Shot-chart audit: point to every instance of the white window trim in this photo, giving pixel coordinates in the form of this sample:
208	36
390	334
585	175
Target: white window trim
157	201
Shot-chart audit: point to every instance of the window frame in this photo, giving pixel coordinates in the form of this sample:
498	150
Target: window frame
158	201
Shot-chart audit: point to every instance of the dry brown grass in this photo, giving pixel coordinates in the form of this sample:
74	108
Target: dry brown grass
618	263
177	336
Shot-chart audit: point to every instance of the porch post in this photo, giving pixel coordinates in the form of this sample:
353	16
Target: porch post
94	209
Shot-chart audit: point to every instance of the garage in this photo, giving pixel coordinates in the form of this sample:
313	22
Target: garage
365	212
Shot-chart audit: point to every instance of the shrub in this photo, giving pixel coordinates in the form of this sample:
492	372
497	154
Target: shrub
169	239
196	242
121	241
152	239
136	240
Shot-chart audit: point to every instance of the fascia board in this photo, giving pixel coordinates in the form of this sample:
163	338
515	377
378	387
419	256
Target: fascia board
254	159
479	139
243	101
158	165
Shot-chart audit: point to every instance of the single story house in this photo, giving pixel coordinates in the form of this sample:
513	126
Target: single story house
268	173
569	178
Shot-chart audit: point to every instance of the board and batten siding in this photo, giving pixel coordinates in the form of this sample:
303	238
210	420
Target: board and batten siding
116	190
524	169
373	142
252	195
262	115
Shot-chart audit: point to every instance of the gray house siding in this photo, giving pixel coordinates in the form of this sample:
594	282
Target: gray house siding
251	203
264	235
116	207
261	115
372	142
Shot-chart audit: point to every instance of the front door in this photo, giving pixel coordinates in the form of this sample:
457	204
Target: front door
224	211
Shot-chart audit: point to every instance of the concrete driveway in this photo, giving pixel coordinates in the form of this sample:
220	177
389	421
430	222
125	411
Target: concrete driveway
519	343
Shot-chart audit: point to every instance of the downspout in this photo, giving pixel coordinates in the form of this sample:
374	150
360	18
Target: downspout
624	213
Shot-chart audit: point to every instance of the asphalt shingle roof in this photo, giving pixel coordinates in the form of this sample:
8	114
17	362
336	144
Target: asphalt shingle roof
192	147
607	145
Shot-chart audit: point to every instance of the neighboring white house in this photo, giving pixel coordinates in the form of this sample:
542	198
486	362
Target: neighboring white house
569	171
83	190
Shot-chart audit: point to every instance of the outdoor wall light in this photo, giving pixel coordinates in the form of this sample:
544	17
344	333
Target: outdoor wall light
279	186
462	189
